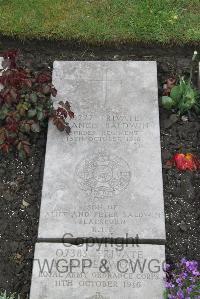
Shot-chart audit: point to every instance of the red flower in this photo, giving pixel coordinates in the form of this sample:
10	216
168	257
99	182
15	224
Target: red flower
185	162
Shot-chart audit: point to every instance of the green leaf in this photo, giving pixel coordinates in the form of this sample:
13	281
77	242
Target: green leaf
26	128
176	93
182	86
32	113
190	94
33	97
185	105
21	154
3	112
188	100
168	103
2	115
40	108
165	295
40	115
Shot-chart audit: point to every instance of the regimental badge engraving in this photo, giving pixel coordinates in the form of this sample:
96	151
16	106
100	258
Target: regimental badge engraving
98	296
103	174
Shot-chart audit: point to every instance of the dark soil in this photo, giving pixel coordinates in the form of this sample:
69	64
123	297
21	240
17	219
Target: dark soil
21	182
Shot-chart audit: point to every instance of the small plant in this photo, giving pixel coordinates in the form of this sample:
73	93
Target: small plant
183	281
5	296
26	105
181	96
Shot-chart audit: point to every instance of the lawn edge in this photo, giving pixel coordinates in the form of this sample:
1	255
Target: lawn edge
127	43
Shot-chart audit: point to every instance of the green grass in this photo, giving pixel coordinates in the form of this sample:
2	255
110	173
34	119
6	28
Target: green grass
94	21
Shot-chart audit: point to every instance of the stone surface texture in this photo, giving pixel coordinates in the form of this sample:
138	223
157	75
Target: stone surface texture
97	271
105	178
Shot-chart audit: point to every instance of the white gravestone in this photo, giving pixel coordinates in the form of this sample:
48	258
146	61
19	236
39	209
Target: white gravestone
105	178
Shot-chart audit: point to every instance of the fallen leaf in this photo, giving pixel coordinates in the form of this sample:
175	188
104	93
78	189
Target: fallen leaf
25	203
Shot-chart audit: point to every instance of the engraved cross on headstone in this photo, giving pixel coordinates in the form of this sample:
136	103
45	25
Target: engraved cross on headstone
105	82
